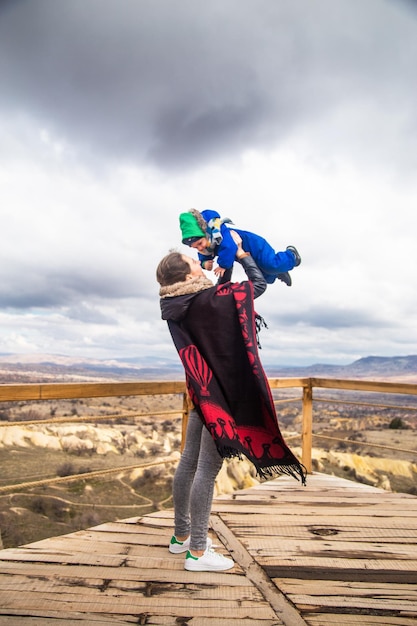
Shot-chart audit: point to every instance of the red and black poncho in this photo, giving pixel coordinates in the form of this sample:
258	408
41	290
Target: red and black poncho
214	332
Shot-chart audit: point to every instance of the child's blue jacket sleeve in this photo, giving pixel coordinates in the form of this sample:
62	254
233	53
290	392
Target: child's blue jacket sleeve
205	257
227	249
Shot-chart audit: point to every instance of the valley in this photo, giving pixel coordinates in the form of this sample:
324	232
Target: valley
135	435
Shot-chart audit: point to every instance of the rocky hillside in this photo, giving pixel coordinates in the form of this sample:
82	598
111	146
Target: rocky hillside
386	473
129	443
29	453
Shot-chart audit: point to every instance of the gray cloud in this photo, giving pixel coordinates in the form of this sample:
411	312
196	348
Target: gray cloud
89	314
46	288
179	82
333	318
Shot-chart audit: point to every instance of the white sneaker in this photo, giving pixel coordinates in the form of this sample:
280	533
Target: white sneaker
176	547
210	562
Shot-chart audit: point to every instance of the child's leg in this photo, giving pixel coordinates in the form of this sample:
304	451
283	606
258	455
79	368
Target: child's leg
270	263
274	263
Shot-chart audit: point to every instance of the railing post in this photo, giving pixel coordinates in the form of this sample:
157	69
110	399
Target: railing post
307	431
186	406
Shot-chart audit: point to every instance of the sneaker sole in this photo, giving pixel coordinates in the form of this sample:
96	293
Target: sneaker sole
190	567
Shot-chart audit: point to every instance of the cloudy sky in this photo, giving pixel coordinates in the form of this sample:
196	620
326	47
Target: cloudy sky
295	118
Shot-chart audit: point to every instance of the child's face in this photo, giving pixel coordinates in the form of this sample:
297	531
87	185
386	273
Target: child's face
200	244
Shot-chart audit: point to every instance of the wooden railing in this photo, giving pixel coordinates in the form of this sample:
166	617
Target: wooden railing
310	384
56	391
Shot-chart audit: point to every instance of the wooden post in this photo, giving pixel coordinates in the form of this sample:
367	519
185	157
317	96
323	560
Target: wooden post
186	406
307	433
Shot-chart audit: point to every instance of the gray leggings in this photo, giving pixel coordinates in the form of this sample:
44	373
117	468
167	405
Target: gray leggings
194	483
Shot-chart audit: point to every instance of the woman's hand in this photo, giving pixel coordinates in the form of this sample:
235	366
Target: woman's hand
240	253
236	238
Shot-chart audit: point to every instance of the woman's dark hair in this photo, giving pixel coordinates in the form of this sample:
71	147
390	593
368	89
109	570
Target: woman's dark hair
172	269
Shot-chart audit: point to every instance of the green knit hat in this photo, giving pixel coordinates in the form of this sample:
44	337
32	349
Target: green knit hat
190	229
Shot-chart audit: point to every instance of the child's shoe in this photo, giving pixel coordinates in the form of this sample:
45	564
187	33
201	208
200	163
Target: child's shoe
286	278
295	252
210	562
176	547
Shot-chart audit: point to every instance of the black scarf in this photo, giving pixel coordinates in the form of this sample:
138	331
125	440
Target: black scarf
216	342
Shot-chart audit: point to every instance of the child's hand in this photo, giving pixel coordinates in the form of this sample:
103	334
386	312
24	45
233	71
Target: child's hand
219	271
208	265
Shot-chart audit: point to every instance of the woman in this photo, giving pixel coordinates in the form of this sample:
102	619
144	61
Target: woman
214	331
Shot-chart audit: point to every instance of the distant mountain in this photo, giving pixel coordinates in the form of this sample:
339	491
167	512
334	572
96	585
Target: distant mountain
47	367
395	364
366	367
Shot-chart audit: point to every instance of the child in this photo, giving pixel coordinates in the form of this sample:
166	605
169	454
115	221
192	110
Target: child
209	235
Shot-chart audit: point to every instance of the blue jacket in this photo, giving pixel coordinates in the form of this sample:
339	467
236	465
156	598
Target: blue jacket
269	262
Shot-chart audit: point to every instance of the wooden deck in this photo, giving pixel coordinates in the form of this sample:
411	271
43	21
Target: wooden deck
332	553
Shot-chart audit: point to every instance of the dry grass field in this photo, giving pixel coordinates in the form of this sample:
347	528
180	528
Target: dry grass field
112	437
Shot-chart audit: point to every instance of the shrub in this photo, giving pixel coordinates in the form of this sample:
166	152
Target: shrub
396	423
4	416
38	505
28	416
58	510
11	535
66	469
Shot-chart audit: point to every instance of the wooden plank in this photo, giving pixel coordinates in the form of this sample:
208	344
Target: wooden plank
390	532
308	511
364	385
133	603
308	571
334	496
347	550
308	494
352	517
318	588
134	530
49	556
58	618
332	563
82	575
317	481
55	391
353	603
361	619
116	588
149	538
70	544
286	383
351	524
